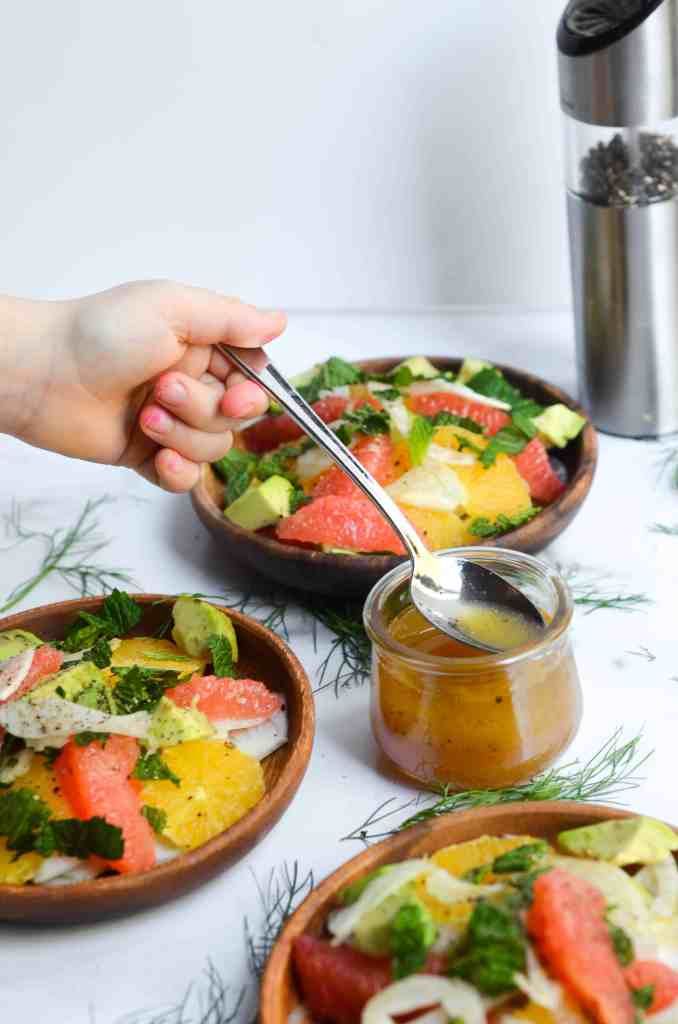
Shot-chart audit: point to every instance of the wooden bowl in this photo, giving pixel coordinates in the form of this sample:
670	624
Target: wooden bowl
279	994
263	656
342	575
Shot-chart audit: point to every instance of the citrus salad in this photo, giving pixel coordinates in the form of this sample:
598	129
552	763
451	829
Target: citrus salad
119	751
465	455
505	930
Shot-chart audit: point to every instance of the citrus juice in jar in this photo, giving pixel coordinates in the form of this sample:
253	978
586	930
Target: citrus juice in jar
446	713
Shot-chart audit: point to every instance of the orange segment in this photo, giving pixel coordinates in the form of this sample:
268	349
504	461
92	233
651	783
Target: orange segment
150	652
219	785
438	529
498	489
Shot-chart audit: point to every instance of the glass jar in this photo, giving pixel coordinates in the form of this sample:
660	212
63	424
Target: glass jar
472	720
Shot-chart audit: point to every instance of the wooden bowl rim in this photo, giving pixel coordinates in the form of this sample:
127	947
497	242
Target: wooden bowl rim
396	848
267	808
524	537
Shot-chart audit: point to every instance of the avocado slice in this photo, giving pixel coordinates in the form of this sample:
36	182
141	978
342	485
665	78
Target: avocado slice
14	641
171	724
195	622
82	683
373	933
557	424
419	366
262	505
621	842
469	368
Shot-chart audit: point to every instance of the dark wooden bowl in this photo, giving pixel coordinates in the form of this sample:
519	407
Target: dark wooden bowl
279	995
342	575
263	656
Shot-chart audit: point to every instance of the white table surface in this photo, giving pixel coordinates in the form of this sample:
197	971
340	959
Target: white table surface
103	973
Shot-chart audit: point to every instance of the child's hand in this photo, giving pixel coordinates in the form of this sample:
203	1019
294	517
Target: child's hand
129	377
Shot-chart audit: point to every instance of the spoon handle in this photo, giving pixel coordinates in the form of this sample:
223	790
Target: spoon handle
255	364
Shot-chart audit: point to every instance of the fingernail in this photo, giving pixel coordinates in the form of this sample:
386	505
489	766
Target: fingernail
157	420
172	390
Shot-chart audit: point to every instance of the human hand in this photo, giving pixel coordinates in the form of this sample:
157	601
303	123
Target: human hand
130	377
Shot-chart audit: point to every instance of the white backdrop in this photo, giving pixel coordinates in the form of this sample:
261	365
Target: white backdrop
363	153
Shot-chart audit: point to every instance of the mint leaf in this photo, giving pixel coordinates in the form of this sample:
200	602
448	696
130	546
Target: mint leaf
419	439
450	419
222	655
83	739
73	837
523	858
367	420
334	373
279	462
642	997
22	817
508	440
298	498
100	653
622	944
492	383
412	934
522	416
494	951
156	818
483	527
465	443
140	689
477	875
152	766
119	614
237	470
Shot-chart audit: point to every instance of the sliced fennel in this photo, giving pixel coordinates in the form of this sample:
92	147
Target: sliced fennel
342	923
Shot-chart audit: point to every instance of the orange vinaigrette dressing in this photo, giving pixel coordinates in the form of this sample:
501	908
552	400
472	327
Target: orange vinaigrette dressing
475	721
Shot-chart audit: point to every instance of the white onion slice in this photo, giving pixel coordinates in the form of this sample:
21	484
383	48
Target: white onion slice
439	385
13	671
311	463
82	872
446	888
223	727
457	999
20	764
427	487
56	717
437	454
53	867
537	985
342	923
263	739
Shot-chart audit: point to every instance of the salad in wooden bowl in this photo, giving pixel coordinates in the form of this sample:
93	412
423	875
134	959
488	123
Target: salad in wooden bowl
472	453
142	740
539	914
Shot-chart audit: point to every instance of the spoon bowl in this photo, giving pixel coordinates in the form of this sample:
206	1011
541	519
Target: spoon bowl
438	587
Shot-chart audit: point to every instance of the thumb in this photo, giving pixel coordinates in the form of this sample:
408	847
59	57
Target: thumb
201	317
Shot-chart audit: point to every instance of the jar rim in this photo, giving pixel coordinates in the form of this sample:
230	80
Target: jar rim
378	632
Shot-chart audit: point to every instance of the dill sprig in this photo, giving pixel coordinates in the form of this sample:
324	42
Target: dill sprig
270	611
667	465
285	888
70	552
643	652
595	594
216	1004
665	528
611	771
350	653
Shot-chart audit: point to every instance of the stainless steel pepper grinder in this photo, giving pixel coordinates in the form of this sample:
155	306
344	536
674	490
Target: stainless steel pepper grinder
618	65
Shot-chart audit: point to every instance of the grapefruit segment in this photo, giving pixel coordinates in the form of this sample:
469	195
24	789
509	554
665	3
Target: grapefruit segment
567	922
336	981
95	781
486	416
662	978
374	453
534	467
272	431
340	521
220	698
46	660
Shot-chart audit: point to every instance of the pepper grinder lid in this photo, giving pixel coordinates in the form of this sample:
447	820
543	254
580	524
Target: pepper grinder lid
618	61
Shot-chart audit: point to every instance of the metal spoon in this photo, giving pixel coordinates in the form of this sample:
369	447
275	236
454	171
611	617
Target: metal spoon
445	587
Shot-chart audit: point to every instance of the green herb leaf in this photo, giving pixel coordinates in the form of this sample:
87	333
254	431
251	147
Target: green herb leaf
222	655
298	498
23	815
465	443
523	414
477	875
412	934
152	766
642	997
508	440
119	614
140	689
50	755
419	439
388	395
523	858
623	946
491	382
10	748
450	419
482	527
494	951
524	888
156	818
75	838
334	373
100	653
83	739
366	420
237	469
